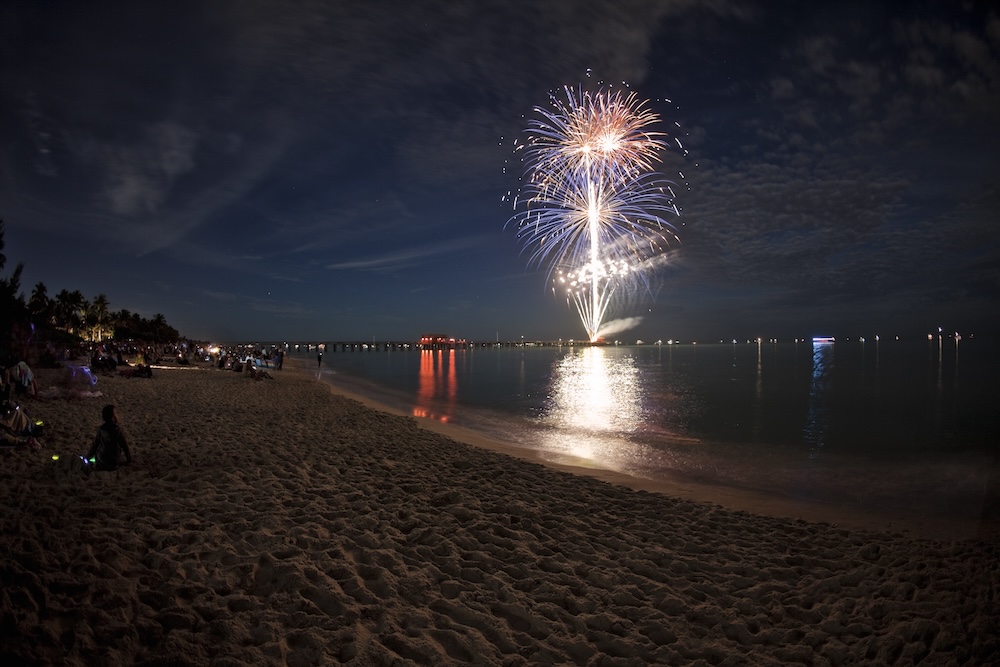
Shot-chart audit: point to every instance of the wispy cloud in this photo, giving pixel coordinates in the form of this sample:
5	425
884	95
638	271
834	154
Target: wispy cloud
411	256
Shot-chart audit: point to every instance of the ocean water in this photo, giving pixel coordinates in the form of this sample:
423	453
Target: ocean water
900	428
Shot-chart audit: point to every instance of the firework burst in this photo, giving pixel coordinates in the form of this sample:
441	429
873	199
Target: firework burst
594	208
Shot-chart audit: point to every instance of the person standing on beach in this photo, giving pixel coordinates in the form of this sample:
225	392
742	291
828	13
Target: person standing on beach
319	359
109	442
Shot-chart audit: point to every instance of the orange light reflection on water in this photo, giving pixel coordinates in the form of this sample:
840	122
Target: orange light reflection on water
437	386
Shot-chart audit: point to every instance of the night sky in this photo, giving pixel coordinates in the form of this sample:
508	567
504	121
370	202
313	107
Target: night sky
336	170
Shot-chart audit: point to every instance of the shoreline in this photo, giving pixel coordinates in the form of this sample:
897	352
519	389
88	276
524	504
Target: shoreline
280	522
732	498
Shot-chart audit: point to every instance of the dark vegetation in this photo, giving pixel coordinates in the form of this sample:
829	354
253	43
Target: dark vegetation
37	324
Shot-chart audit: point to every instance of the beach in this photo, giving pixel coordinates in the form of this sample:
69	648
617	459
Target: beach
278	522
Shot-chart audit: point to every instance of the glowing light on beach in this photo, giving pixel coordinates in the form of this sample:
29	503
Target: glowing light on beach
594	207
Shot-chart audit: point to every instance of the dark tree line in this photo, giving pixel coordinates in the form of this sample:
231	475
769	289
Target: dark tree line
70	313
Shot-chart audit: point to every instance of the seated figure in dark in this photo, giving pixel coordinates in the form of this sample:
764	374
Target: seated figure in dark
17	428
109	442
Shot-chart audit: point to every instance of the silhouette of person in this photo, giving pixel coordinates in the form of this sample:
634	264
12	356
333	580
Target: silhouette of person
109	442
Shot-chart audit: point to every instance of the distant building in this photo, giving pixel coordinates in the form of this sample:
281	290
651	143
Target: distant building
440	341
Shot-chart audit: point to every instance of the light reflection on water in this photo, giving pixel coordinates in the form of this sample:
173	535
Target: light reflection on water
595	393
438	386
875	425
591	395
817	416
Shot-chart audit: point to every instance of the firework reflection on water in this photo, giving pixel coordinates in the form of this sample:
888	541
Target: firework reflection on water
902	430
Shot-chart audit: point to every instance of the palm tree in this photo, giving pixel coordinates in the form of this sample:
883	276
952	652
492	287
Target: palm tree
12	285
3	257
125	324
120	318
159	329
60	309
69	309
12	305
78	314
40	305
98	316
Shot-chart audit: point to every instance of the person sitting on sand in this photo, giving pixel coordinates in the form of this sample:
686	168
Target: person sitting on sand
23	379
109	442
137	371
17	428
258	373
99	361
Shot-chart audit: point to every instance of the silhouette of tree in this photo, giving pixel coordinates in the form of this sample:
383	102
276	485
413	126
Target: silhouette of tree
40	305
68	311
98	317
12	307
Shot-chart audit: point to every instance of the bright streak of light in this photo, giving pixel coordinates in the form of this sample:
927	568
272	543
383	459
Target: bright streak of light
594	207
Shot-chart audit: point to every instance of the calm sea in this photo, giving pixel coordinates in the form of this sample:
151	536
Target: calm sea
893	427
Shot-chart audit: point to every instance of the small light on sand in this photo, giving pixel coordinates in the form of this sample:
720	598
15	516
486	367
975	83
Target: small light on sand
55	457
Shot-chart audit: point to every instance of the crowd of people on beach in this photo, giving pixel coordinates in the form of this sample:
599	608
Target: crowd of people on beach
18	384
19	429
82	368
256	361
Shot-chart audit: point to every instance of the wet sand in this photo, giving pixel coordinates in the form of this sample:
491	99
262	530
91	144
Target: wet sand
279	522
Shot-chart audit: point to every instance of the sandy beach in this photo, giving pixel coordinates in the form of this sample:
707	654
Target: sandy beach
281	523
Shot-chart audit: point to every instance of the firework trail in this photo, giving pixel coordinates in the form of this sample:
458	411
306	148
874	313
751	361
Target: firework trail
594	206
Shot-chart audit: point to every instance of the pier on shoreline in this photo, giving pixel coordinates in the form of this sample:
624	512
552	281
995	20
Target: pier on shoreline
378	346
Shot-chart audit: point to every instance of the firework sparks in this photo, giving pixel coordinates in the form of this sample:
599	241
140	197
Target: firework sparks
594	207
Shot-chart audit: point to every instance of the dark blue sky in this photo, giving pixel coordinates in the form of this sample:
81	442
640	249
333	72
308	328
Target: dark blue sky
335	170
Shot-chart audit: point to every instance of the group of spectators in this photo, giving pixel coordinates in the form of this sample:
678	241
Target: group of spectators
238	358
17	429
110	448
